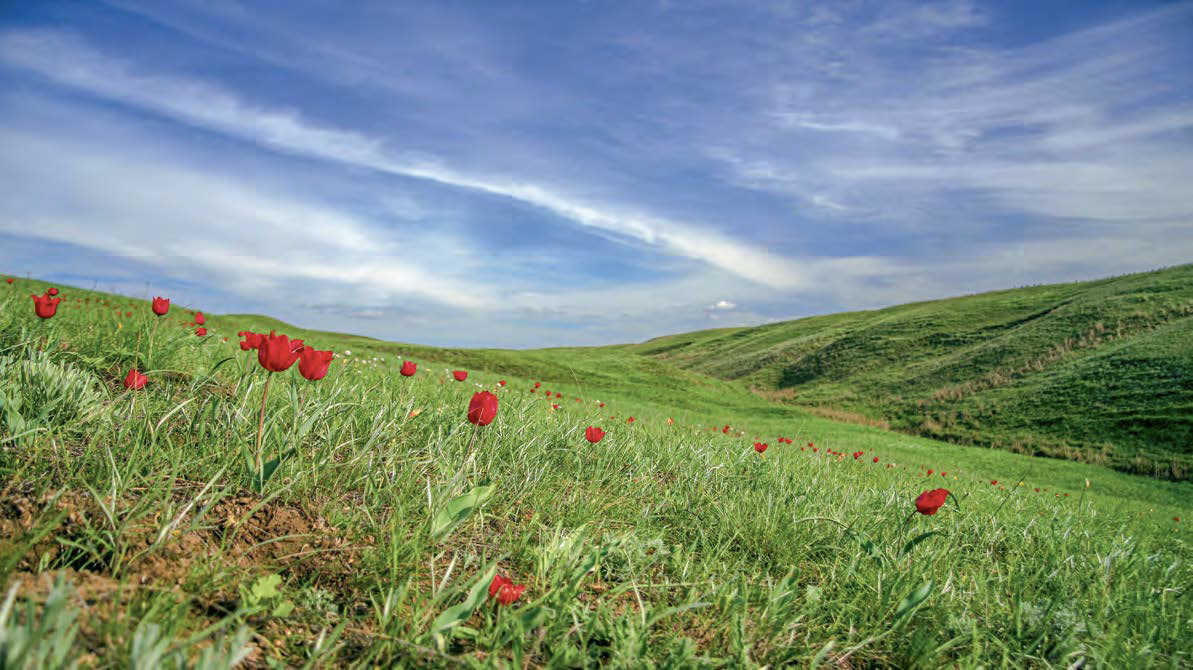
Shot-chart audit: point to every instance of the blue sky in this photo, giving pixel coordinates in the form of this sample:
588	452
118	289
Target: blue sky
537	174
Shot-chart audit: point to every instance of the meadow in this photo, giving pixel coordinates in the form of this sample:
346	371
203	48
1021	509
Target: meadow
143	527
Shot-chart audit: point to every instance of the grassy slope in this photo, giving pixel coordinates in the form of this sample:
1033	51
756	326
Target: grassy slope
1097	371
782	560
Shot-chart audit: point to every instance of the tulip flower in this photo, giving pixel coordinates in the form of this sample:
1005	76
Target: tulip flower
460	375
251	340
161	306
9	280
501	383
45	306
277	352
482	409
594	434
135	381
199	318
554	405
409	368
760	446
52	291
929	502
725	430
538	384
313	364
929	472
504	589
200	331
600	404
875	459
630	420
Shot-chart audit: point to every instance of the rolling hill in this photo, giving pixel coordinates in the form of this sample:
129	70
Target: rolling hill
1098	371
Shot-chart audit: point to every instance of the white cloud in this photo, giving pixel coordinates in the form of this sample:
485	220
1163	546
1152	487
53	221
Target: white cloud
182	220
723	304
67	60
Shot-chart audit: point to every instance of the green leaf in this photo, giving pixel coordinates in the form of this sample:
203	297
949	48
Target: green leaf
913	542
458	509
458	614
534	617
264	588
913	600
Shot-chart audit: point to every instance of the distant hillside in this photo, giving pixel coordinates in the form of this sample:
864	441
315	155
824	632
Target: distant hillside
1098	371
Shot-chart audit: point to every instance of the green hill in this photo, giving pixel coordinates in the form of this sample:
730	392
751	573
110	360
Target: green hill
225	515
1098	371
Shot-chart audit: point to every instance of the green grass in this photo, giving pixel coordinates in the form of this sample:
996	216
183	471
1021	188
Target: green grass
1100	371
129	528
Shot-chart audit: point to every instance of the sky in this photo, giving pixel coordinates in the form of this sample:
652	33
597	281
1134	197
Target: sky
580	173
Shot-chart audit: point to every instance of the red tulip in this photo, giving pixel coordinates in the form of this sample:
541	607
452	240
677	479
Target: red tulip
251	340
809	444
538	384
460	375
630	420
135	380
930	472
313	364
594	434
501	383
930	502
875	459
600	404
200	331
409	368
533	390
161	306
760	446
558	395
277	353
944	474
9	280
504	589
554	406
726	429
52	291
199	319
45	305
482	409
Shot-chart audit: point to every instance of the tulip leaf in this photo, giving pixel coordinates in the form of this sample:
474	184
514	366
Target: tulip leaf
535	616
458	614
913	600
913	542
458	509
268	469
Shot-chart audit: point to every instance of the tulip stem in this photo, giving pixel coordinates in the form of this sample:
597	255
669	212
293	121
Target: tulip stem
471	441
260	429
149	354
